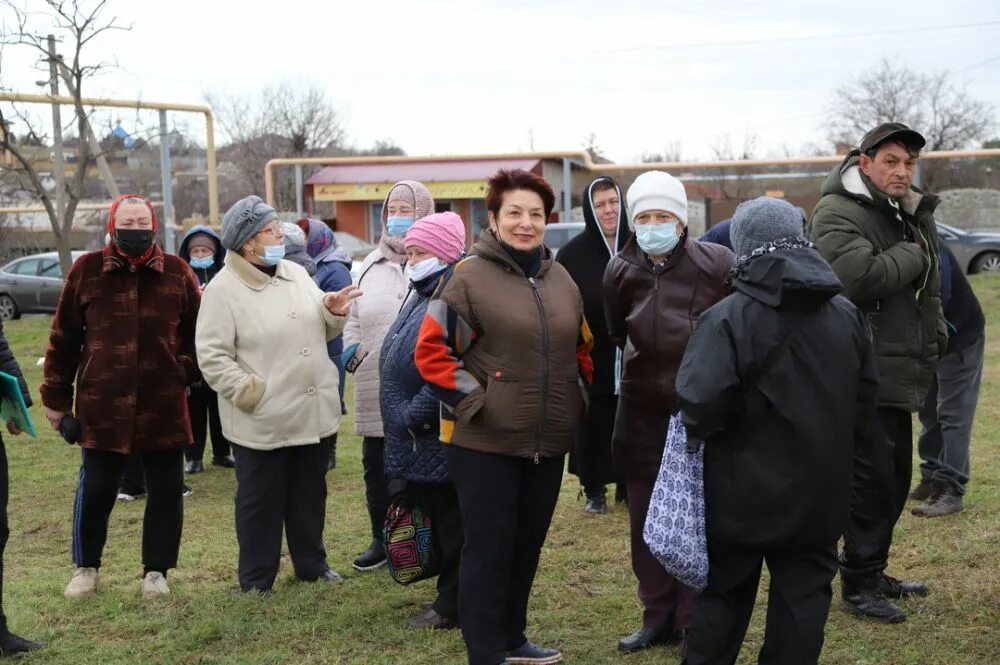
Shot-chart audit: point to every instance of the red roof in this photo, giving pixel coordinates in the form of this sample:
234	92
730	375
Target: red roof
421	171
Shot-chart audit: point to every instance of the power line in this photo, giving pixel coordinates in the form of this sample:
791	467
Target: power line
980	64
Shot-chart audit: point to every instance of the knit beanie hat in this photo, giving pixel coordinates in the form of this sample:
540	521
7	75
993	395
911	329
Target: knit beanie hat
442	234
245	220
412	192
761	221
656	190
201	240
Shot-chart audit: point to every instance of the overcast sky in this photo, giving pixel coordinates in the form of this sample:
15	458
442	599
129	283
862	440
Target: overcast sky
450	76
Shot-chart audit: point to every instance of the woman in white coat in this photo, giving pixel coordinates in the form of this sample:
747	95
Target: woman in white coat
385	285
261	342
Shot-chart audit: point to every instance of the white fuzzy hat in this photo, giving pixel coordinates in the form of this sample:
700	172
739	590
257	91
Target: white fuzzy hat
656	190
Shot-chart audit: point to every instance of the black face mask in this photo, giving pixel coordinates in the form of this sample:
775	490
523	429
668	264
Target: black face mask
134	243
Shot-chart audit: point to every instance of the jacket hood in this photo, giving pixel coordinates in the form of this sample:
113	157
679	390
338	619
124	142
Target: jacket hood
592	227
848	180
796	278
322	245
488	247
184	251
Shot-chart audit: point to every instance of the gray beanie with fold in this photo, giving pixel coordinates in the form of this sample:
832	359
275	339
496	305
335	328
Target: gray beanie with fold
761	221
245	220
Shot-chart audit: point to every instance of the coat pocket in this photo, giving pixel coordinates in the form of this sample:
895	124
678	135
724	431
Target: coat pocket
505	407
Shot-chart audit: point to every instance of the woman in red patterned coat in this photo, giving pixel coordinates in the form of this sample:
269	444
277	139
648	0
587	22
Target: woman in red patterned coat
123	334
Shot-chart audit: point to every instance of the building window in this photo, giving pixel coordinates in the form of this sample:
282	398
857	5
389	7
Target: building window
480	220
375	222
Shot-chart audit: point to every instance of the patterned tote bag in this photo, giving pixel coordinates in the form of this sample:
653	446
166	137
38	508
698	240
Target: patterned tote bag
409	545
675	522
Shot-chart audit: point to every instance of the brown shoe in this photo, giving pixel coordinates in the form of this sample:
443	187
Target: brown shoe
923	491
944	501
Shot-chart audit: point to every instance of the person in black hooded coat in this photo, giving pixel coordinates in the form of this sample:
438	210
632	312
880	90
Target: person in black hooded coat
585	258
779	381
203	403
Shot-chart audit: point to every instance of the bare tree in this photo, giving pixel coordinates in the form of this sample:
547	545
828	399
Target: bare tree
733	183
78	22
933	104
593	149
284	120
671	152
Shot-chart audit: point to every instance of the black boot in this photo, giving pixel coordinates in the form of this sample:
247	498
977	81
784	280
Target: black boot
597	504
646	637
371	558
873	605
890	587
621	493
194	466
11	644
226	462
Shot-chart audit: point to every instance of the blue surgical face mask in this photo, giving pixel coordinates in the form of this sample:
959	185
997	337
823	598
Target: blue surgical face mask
397	226
273	254
202	262
657	239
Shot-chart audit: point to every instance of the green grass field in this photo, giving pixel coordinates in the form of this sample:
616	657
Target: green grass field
584	598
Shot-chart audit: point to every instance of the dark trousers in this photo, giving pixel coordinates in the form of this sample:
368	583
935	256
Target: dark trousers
280	489
4	528
203	406
376	484
100	475
947	417
132	481
592	441
441	503
798	603
873	516
666	602
507	505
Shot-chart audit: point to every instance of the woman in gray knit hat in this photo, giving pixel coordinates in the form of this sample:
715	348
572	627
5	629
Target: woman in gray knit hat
261	341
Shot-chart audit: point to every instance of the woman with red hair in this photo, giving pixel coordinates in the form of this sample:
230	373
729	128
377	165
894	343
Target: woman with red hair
123	335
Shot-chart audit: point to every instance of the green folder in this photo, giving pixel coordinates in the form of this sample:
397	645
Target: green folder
12	405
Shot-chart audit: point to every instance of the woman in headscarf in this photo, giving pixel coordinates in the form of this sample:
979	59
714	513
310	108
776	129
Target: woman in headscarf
384	285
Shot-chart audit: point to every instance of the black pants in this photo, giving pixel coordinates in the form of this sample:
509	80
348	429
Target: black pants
100	475
280	489
4	528
592	443
203	406
441	503
797	605
868	536
376	484
507	505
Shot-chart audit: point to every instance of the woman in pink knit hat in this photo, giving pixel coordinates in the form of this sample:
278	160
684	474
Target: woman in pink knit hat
414	456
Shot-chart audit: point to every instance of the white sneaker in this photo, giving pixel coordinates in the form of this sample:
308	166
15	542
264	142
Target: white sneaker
154	584
83	583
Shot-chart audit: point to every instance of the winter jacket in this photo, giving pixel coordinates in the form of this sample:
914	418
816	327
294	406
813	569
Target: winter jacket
887	259
507	354
719	234
962	310
8	365
383	286
124	334
204	275
779	381
651	313
332	274
585	257
262	347
410	410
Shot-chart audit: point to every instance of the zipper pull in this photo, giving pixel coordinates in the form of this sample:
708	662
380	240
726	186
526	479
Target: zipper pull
536	458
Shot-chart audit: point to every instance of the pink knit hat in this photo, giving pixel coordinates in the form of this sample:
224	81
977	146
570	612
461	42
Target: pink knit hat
442	234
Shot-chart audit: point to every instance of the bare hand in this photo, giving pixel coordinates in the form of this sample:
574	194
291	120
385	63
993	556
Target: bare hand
55	417
339	302
13	427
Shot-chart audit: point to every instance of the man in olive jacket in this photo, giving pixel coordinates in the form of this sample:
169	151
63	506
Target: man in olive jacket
877	231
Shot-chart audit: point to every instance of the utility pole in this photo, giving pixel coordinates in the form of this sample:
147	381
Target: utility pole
166	176
57	142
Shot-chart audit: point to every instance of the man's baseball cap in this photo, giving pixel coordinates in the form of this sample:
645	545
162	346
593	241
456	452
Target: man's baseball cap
892	130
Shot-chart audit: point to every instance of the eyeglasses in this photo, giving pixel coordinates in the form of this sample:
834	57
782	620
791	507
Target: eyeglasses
274	230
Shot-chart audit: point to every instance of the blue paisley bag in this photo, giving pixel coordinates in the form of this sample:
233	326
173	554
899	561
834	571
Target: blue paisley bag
675	521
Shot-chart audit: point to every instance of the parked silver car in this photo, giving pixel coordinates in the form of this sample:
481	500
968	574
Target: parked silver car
976	252
31	284
558	234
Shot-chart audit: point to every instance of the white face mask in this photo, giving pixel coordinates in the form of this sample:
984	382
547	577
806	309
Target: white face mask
424	269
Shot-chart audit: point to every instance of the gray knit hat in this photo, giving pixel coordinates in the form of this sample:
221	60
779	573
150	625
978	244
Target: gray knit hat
761	221
245	220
